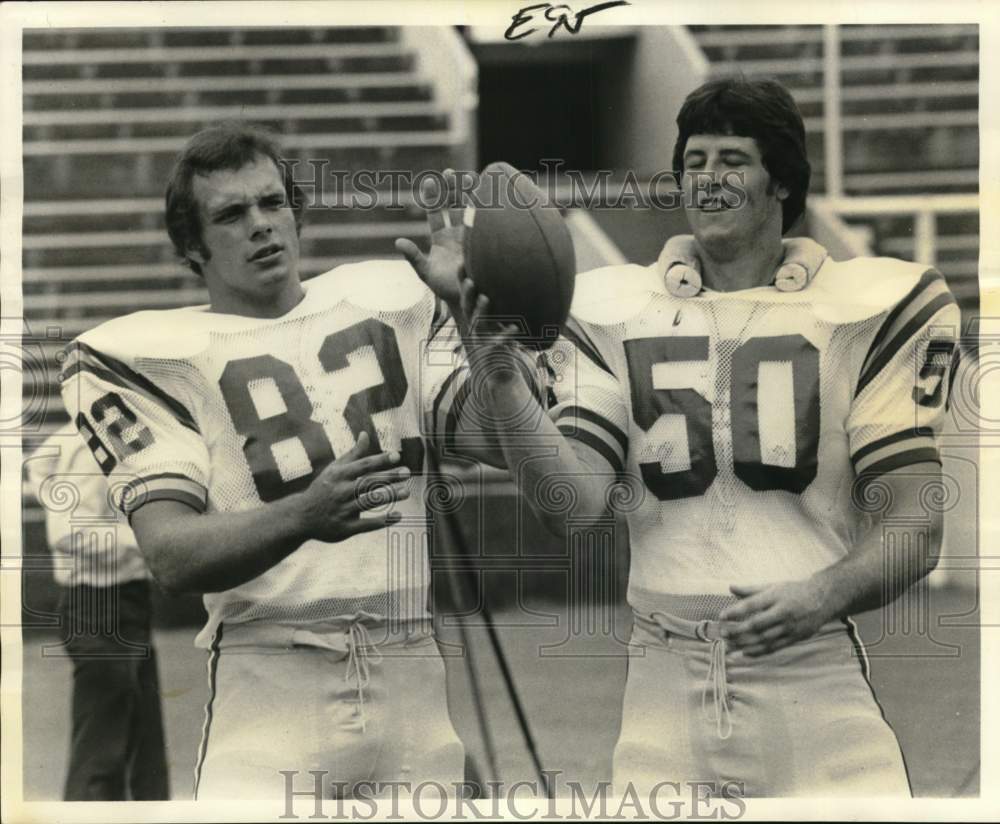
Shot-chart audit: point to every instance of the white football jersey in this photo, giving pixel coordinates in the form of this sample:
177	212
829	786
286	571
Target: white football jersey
744	419
224	413
89	540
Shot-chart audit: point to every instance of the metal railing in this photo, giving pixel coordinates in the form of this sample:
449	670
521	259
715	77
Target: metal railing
924	210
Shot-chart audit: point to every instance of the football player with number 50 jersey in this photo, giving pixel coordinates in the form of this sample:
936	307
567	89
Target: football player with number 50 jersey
268	450
775	414
749	423
748	417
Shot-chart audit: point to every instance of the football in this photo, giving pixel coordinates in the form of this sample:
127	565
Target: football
519	254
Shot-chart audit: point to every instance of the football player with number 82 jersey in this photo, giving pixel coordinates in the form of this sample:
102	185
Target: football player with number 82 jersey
268	450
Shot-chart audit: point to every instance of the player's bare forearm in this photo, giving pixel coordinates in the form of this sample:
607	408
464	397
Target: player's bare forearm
869	577
522	429
192	552
188	551
520	436
768	618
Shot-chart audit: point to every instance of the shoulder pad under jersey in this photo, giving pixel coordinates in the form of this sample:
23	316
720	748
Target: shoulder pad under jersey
613	294
379	285
164	333
857	289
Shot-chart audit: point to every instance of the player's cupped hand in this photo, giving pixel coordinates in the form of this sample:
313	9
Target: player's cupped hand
769	618
441	268
354	484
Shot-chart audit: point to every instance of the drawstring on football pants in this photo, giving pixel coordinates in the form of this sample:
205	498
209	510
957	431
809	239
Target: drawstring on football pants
361	652
715	681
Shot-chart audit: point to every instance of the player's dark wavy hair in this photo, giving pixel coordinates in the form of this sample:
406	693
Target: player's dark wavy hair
225	146
757	108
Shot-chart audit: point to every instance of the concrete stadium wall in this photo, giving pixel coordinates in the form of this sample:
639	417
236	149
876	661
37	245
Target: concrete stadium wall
666	64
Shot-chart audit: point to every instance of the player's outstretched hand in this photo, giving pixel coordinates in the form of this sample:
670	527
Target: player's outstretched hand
332	505
441	268
769	618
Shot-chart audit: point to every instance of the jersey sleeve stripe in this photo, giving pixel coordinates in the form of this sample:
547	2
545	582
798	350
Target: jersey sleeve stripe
440	318
166	486
899	460
580	413
78	366
930	287
934	289
889	349
177	495
596	443
446	391
454	414
570	428
452	403
926	279
579	338
902	442
84	358
896	437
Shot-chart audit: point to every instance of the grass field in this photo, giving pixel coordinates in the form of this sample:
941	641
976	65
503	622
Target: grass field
927	682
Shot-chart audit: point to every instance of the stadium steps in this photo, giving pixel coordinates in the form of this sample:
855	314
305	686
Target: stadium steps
892	66
36	40
941	181
345	60
106	110
169	121
139	238
128	214
139	166
910	84
194	92
879	98
768	38
71	313
897	121
96	250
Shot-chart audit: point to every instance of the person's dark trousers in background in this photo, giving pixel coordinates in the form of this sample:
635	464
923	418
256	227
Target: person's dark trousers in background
118	750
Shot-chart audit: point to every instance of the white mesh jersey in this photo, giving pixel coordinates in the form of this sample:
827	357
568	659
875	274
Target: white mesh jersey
225	413
745	418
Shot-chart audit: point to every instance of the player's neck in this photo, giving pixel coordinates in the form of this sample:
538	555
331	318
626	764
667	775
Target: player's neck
273	306
748	270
